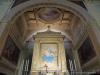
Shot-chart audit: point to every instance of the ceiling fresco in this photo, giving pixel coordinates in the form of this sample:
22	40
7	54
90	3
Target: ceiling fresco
49	15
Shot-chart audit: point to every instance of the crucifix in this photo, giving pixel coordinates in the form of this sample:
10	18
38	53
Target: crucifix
46	68
48	28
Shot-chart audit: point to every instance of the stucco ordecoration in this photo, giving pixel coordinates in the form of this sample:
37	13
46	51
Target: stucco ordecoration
49	15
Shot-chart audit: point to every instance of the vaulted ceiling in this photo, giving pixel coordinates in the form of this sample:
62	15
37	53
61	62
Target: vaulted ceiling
38	19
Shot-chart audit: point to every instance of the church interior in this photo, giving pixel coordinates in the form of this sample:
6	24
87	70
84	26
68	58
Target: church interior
49	37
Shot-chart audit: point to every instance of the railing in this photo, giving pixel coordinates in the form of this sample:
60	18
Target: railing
84	73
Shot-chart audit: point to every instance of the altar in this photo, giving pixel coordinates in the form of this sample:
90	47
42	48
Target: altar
49	54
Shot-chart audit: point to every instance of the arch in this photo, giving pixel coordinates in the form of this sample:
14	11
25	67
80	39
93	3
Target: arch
76	9
15	12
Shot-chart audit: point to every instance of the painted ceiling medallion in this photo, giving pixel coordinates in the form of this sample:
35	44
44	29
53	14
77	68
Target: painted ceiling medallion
49	15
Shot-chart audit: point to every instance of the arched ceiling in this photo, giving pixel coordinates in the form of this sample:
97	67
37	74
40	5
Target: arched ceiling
38	19
78	2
